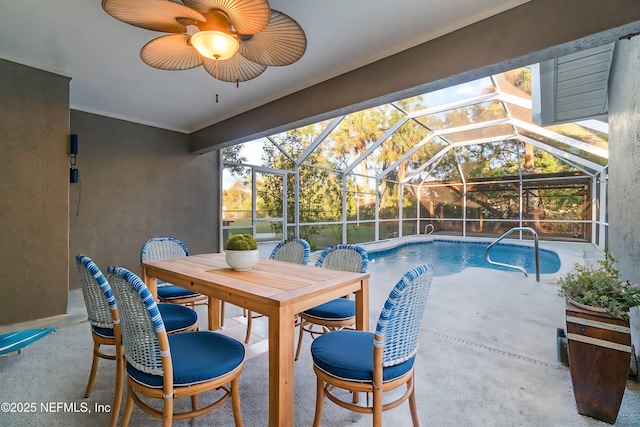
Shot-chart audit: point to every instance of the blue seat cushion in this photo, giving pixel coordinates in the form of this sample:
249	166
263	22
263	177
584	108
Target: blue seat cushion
177	317
348	354
168	292
339	308
103	332
197	357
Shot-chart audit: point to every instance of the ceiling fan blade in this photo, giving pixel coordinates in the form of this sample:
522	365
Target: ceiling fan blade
283	42
228	70
171	52
156	15
247	16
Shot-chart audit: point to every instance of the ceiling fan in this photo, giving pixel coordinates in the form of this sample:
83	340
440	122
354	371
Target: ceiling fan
235	40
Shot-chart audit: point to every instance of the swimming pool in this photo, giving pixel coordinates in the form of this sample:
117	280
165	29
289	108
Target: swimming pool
452	256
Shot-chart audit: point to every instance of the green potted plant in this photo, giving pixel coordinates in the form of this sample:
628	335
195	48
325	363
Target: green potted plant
241	252
598	335
598	287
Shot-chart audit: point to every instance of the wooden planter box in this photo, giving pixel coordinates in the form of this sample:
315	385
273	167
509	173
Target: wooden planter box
599	347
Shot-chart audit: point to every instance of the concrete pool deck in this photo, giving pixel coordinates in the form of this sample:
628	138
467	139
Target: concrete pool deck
488	357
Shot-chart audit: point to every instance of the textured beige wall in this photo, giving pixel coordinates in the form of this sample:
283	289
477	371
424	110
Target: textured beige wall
137	182
34	183
624	166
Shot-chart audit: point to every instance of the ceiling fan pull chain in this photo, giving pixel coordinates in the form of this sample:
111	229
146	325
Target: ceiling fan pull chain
216	81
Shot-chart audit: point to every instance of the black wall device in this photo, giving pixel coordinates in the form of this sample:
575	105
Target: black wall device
73	149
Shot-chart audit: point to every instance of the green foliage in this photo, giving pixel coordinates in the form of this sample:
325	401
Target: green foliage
320	189
318	181
519	78
237	202
241	242
232	154
600	286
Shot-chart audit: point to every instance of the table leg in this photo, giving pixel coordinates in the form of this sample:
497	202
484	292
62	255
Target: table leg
362	306
281	390
151	282
214	313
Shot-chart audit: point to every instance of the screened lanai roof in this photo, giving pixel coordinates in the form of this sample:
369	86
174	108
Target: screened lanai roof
479	129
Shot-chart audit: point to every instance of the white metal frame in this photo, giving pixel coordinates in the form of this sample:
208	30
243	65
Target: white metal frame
596	171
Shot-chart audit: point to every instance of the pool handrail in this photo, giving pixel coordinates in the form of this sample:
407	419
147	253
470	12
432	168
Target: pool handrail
535	239
427	228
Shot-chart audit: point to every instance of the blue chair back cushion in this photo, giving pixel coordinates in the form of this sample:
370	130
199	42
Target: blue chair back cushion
340	308
348	354
197	357
177	317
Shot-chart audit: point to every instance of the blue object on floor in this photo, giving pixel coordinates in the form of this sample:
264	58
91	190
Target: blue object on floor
14	341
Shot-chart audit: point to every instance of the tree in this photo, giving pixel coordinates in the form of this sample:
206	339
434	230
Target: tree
237	200
320	189
356	133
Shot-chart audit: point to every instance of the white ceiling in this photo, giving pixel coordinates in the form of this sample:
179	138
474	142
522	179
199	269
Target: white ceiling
78	39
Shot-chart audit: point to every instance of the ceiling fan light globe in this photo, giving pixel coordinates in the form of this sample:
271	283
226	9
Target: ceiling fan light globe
215	44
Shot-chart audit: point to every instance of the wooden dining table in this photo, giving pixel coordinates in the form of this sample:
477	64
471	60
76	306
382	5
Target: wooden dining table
276	289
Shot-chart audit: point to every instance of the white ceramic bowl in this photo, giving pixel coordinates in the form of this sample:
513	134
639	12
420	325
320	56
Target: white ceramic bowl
242	260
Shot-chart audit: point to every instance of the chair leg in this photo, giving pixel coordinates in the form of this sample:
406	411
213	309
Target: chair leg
221	313
300	339
235	401
117	397
128	407
249	326
167	412
412	403
377	408
94	369
319	402
194	402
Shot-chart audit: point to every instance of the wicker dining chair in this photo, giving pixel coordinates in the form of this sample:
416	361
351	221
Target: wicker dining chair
158	248
375	362
103	317
296	251
167	367
341	312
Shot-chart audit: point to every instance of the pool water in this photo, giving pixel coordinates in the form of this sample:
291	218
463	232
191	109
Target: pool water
450	257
